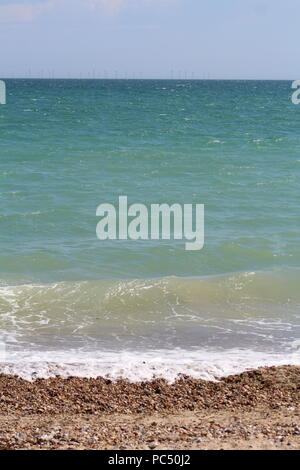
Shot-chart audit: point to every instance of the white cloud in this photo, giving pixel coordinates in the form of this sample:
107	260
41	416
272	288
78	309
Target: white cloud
21	11
27	12
109	5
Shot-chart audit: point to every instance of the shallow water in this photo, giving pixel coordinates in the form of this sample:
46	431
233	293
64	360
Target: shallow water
114	307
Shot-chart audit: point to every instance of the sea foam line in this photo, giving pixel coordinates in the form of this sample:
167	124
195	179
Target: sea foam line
139	366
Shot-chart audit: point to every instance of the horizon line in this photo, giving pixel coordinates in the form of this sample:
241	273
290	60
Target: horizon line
147	78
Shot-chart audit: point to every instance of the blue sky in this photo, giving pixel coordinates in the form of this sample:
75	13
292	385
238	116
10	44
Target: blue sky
150	38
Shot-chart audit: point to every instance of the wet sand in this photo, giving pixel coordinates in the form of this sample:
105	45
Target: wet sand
255	410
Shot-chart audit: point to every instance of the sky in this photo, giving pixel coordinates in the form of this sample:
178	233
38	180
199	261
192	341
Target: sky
241	39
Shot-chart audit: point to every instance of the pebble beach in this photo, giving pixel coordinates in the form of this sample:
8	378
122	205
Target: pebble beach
257	409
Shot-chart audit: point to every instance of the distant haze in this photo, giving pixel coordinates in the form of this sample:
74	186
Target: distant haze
251	39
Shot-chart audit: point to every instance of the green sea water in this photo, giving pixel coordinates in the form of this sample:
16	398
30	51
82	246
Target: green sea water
66	297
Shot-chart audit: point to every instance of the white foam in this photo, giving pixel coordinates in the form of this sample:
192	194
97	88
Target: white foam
138	366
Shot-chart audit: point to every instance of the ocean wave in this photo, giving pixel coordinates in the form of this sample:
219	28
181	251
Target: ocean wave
245	292
138	366
82	322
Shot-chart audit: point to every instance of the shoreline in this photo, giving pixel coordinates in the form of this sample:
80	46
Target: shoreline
256	409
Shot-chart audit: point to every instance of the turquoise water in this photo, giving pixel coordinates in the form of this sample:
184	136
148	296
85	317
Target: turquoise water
67	146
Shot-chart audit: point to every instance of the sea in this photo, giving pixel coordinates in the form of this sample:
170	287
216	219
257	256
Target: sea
73	305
